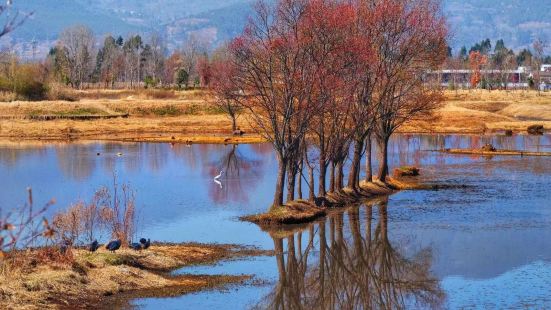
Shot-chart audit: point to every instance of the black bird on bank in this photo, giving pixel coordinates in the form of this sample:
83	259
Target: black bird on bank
135	246
64	246
93	246
145	243
113	245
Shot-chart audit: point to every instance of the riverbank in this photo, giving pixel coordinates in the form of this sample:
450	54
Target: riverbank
190	117
45	278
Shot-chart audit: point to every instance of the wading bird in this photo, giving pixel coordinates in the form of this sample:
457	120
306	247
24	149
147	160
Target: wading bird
93	246
145	243
217	178
113	245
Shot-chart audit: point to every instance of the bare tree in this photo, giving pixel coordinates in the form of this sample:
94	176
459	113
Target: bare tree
11	22
537	61
225	90
77	44
274	73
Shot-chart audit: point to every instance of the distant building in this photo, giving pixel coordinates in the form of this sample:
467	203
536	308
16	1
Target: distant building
462	78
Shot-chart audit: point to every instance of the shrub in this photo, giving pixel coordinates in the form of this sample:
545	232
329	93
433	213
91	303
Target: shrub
150	81
111	212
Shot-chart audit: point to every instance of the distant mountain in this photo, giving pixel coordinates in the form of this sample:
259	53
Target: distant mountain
517	22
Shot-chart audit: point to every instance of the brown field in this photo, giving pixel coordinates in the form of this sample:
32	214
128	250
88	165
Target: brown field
188	116
481	111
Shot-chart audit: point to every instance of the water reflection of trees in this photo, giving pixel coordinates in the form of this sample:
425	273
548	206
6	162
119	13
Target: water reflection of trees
353	270
241	175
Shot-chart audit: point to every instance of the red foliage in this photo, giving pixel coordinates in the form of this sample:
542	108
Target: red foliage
477	61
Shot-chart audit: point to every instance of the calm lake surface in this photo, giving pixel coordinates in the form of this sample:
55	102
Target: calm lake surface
483	246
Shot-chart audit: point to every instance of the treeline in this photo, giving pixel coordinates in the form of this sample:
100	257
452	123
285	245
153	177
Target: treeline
500	59
321	77
124	62
499	52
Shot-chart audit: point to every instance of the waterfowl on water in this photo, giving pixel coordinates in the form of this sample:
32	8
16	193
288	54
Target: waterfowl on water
113	245
119	154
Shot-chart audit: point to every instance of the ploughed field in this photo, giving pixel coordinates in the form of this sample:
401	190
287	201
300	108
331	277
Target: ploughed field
481	241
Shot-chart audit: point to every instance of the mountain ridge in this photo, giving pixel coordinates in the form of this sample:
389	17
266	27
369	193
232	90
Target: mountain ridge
470	21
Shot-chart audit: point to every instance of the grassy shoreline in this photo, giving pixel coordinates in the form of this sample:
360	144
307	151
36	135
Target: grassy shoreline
41	278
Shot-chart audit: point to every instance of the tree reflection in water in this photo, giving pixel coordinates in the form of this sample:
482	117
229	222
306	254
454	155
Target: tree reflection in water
241	175
351	270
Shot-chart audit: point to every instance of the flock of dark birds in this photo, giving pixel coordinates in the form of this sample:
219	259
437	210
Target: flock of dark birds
116	244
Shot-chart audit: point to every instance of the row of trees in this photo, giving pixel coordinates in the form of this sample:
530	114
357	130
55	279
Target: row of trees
332	75
498	54
501	60
127	62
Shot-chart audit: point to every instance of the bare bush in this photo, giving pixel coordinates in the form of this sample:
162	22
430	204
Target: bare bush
110	211
22	227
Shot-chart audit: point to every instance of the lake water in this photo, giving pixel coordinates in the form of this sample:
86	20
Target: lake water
484	246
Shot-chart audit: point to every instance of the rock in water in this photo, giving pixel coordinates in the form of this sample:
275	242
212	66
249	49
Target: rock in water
406	172
535	130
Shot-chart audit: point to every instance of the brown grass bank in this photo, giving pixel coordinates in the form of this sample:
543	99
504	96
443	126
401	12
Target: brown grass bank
45	279
190	117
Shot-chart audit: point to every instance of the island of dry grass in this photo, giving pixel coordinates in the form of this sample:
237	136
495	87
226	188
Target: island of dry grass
303	211
45	278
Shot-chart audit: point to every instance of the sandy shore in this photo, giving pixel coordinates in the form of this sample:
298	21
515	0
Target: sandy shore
41	279
189	117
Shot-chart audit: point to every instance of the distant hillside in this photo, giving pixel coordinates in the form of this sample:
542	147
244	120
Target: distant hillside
517	22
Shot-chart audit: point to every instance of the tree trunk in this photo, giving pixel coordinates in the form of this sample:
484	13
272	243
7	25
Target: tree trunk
280	182
299	185
383	165
311	195
339	182
368	163
322	175
354	173
291	179
233	123
332	178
